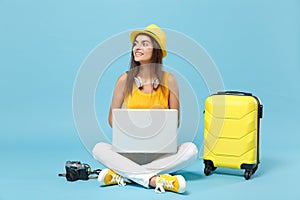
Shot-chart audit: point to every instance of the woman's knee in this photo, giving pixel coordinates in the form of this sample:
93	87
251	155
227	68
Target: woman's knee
100	147
190	149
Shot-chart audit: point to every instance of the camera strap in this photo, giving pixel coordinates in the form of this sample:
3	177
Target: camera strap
96	171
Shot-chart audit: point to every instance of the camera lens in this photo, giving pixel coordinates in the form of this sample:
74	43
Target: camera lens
72	176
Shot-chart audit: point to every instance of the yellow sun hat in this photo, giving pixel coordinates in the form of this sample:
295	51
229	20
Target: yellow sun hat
154	31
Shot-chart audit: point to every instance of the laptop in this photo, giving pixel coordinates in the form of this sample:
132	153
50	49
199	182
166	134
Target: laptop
144	130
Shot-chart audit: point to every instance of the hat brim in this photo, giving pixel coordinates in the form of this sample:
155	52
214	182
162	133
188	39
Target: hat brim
133	35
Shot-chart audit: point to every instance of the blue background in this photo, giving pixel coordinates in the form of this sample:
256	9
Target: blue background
255	44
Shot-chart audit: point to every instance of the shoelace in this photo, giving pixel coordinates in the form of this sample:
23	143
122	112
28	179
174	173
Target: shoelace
119	179
162	184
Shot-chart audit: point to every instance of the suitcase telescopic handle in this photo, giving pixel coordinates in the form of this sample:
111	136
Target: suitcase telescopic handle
235	93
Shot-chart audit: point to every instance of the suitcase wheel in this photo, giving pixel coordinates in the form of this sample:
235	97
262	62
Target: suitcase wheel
250	169
249	172
209	167
207	170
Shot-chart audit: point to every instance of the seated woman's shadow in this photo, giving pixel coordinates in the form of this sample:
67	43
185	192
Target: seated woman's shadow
192	175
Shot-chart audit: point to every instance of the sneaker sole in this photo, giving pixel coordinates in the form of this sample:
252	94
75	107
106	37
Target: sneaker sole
182	184
102	175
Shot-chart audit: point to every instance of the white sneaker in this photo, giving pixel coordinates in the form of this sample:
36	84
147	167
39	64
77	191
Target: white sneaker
172	183
109	177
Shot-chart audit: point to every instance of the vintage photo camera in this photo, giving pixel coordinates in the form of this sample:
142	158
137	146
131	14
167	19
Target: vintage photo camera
75	170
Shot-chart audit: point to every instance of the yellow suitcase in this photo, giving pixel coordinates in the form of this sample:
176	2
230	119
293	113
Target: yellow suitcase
231	132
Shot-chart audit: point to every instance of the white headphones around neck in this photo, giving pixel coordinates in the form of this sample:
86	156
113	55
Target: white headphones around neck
139	82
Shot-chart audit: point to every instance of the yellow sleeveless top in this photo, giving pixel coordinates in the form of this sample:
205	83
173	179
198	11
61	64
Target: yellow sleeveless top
157	99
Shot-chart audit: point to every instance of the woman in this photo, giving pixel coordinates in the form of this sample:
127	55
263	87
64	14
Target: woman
145	85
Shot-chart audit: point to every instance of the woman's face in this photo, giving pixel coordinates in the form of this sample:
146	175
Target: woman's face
142	49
